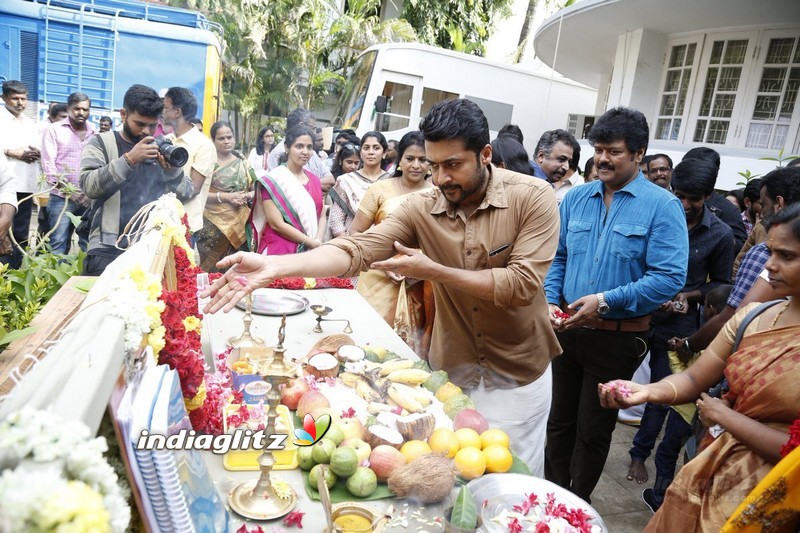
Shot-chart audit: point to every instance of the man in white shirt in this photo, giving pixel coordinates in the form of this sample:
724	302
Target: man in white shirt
20	141
8	205
180	108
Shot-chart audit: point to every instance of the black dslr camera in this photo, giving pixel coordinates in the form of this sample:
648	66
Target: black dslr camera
176	156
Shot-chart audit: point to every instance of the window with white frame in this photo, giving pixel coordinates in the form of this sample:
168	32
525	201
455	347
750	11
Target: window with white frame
720	90
736	89
776	96
672	107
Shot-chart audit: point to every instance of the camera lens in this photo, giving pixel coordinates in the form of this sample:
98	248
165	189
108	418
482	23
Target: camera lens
177	156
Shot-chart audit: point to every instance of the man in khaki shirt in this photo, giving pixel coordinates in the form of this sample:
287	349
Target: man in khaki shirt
487	237
180	108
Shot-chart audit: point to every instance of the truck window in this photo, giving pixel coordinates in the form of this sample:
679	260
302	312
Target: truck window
431	97
398	109
497	113
349	113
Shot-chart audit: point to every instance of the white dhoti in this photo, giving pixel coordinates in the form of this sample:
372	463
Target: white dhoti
522	413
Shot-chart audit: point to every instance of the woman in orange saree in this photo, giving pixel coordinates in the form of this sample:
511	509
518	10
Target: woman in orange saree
763	401
411	315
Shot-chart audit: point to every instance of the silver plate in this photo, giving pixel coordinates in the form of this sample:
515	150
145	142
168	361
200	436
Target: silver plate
275	302
493	485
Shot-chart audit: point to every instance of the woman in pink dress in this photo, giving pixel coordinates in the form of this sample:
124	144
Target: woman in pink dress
288	216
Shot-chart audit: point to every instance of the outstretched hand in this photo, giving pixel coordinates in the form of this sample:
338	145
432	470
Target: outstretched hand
246	272
409	262
620	394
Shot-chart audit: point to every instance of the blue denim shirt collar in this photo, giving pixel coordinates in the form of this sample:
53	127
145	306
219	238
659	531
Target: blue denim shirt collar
634	187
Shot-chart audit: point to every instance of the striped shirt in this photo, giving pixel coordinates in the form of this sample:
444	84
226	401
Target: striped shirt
62	147
752	265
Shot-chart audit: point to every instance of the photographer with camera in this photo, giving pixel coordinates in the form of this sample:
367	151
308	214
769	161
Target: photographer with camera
180	108
121	171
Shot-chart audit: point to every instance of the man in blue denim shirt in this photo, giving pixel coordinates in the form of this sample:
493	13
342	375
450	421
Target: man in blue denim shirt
622	252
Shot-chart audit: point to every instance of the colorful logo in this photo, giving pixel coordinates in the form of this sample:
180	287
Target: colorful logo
313	430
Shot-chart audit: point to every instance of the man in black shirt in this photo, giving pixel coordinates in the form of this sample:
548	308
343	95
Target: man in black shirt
710	263
121	183
721	207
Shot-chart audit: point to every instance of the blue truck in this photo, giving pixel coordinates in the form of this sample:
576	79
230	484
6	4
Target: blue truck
102	47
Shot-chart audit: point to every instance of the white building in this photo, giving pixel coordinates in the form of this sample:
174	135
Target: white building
718	73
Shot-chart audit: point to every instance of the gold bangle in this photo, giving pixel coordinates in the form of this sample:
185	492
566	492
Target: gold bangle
674	391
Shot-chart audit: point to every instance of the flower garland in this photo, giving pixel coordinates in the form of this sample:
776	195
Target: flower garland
170	319
61	482
218	387
311	283
794	439
181	320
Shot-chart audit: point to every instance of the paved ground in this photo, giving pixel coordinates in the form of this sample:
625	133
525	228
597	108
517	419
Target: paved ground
618	500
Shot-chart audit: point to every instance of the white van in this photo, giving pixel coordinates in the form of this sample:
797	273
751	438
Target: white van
393	86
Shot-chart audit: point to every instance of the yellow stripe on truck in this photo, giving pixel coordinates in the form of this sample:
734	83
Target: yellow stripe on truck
212	88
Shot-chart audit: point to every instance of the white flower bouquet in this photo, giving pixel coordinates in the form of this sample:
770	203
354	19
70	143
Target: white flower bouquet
55	478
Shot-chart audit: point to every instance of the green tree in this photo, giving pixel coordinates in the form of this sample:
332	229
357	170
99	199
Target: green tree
281	54
434	21
360	27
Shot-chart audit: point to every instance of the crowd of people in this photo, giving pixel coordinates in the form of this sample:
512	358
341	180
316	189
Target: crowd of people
539	288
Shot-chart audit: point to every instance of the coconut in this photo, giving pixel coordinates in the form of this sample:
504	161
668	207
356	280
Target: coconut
388	419
427	479
378	435
351	353
322	365
331	343
417	426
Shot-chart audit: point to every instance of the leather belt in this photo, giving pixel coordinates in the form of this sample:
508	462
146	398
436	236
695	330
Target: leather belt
638	324
629	325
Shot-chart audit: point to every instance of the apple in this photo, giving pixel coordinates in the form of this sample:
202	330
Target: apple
309	401
292	392
352	428
362	448
384	460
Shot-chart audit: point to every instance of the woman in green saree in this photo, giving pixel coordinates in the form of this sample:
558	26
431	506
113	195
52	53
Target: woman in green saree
229	201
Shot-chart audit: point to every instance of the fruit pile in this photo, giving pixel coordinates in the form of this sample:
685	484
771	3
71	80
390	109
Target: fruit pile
473	453
400	412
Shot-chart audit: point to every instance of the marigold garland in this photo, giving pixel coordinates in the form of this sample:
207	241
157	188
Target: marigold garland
311	283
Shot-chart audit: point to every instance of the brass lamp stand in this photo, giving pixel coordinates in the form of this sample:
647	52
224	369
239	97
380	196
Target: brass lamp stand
257	498
246	339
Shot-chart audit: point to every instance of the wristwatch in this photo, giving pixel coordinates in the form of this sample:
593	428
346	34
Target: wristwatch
602	306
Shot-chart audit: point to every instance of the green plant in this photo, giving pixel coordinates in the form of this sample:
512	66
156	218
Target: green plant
465	513
780	159
24	292
747	175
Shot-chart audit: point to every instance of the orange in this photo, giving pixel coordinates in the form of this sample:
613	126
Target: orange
498	458
494	436
443	441
470	463
414	448
468	438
